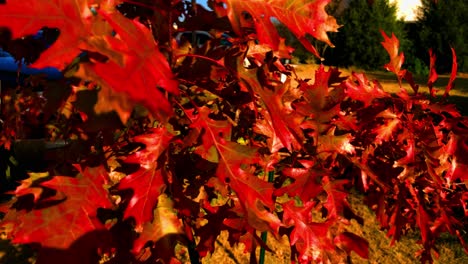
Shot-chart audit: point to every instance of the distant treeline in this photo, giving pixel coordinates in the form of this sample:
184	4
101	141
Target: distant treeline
439	26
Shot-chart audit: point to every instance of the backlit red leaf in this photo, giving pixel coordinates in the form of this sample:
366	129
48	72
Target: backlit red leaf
307	183
409	159
320	98
386	131
265	127
453	75
234	161
165	222
360	89
212	130
144	69
293	14
256	198
331	144
285	121
72	17
58	226
149	181
392	45
432	73
310	237
336	197
255	195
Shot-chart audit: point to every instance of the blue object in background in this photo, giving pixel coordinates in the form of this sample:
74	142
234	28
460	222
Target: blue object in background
9	68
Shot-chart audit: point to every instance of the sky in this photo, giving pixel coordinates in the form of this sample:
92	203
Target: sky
406	8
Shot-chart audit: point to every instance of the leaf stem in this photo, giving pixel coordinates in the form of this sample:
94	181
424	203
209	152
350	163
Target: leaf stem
261	257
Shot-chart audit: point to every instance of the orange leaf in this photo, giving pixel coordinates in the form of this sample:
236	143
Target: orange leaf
432	73
144	68
359	88
396	60
148	182
165	223
453	75
75	214
302	17
72	17
308	236
285	121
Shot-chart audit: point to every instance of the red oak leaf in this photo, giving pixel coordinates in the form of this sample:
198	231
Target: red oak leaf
149	181
336	197
432	73
232	156
393	219
165	223
331	144
458	147
407	161
424	220
408	76
360	89
209	232
212	131
453	75
346	121
259	51
293	14
29	186
457	171
285	121
385	131
352	242
234	161
144	68
265	127
424	223
320	100
310	237
72	17
254	193
307	183
108	99
392	45
316	95
58	226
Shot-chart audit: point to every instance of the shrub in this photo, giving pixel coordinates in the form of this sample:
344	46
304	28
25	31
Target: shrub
208	142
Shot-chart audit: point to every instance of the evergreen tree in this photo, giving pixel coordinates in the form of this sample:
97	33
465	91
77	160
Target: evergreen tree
358	40
443	24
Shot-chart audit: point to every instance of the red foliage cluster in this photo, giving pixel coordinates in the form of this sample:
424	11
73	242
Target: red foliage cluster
201	132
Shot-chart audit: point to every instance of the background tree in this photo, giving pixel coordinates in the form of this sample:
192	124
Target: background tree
416	57
358	40
441	25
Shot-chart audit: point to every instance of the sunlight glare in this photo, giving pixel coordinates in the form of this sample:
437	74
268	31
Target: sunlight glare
407	9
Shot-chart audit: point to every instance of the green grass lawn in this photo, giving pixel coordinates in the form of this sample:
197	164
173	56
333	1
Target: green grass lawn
380	250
